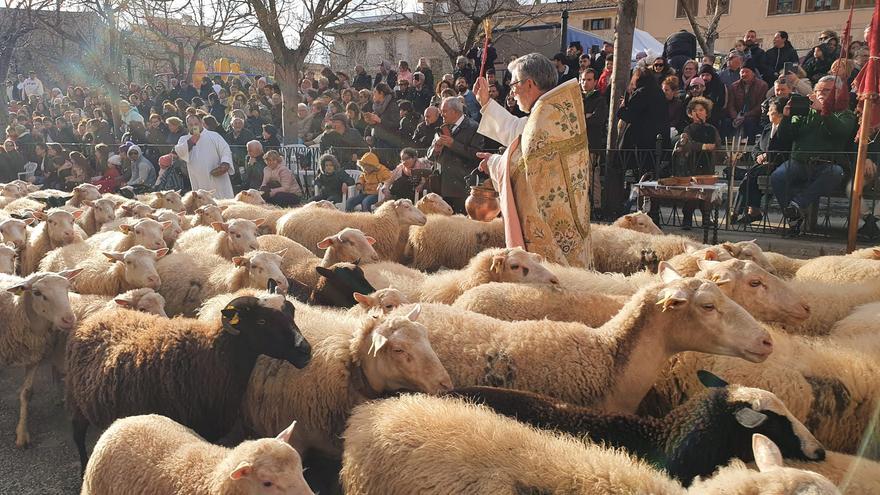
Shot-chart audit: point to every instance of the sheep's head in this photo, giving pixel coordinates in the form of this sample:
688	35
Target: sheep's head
383	301
198	198
60	225
266	330
262	266
104	210
407	214
47	295
701	318
147	232
85	192
321	203
7	258
518	266
751	251
144	300
241	235
207	215
639	222
135	209
338	285
139	266
12	191
267	464
432	203
349	245
15	231
395	354
170	200
172	233
250	196
753	410
763	295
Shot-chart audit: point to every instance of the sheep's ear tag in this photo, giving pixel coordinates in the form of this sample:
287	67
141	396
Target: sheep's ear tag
671	299
710	380
243	469
750	418
717	280
378	341
767	454
18	290
230	313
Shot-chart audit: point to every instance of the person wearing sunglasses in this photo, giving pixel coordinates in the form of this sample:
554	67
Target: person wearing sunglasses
661	70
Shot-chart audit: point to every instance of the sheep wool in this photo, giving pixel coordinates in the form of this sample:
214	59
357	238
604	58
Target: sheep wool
620	250
451	241
253	212
839	269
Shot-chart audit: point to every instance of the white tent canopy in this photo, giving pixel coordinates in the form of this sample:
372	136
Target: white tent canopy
643	42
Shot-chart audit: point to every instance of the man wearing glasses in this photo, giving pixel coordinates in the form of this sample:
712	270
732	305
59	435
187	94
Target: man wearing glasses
544	174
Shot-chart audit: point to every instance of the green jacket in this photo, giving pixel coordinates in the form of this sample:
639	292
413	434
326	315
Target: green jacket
815	136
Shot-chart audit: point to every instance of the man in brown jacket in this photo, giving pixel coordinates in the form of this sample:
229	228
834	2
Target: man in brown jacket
744	102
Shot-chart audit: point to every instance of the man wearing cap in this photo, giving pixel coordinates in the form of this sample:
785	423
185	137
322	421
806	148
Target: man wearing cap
730	74
208	159
343	142
744	101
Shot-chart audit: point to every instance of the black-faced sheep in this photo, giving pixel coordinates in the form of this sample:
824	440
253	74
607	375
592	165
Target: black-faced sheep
166	456
121	363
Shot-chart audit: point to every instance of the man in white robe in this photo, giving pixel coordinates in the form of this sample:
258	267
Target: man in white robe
208	159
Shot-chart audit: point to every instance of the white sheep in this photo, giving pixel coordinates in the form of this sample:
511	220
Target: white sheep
16	231
619	250
82	193
205	216
55	230
154	454
8	256
434	204
196	199
247	196
107	272
144	300
639	222
451	241
248	211
227	240
859	330
853	475
97	213
134	208
32	308
308	226
383	300
144	232
170	200
23	206
839	269
175	229
188	279
871	253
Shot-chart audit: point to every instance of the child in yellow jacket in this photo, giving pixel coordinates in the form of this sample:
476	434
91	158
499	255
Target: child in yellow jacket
375	174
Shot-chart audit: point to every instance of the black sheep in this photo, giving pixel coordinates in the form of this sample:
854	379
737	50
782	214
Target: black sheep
692	440
335	288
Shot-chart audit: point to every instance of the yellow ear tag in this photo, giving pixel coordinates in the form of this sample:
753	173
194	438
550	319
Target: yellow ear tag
234	320
666	302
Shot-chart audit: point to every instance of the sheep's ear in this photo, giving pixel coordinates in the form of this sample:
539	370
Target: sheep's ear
877	253
219	226
370	240
710	380
19	289
181	215
260	221
113	257
125	228
166	225
240	261
243	469
378	340
750	418
89	203
39	215
667	273
223	207
200	210
629	218
671	299
498	261
731	248
161	252
706	265
415	312
711	255
76	214
70	274
122	302
285	435
767	454
539	258
29	221
362	299
282	252
326	272
326	242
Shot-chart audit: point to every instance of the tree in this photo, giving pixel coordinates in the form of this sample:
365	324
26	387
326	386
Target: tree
19	19
706	36
308	21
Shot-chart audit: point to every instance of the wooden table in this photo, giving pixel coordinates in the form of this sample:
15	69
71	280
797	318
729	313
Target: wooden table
711	196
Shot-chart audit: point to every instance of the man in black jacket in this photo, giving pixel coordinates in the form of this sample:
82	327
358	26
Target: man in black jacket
455	149
776	57
237	138
755	52
362	80
419	93
427	128
385	75
345	142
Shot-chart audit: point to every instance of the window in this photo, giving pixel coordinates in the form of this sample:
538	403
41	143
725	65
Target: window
597	24
776	7
820	5
860	4
679	10
710	7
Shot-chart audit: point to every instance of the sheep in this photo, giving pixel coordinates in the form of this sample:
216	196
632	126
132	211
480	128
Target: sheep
692	440
252	212
338	285
135	209
853	475
419	444
167	456
96	214
227	240
859	330
144	232
354	360
383	300
247	196
143	300
871	253
639	222
107	273
298	263
32	309
175	229
23	206
492	265
434	204
190	278
57	229
83	192
16	232
170	200
620	250
309	225
8	256
9	193
451	242
687	263
205	216
839	270
196	199
611	367
194	372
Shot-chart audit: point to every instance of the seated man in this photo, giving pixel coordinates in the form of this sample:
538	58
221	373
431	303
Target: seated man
818	139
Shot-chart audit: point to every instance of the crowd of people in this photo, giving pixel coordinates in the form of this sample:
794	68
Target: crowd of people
407	129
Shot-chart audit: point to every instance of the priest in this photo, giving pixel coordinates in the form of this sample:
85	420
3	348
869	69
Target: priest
208	159
543	177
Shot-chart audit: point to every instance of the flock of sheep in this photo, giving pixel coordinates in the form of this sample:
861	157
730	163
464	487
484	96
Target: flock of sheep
411	347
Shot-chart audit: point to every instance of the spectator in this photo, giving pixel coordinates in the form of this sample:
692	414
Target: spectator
331	180
776	57
675	109
717	93
427	128
409	120
367	188
425	68
661	70
237	137
584	63
573	55
269	137
694	152
563	70
143	174
814	167
688	72
62	132
385	75
730	74
595	112
218	109
402	91
744	104
31	86
419	93
476	55
343	142
455	150
384	121
208	159
12	162
472	108
603	58
171	176
605	75
751	51
645	112
279	186
404	184
252	173
186	91
403	72
362	80
463	69
254	121
355	120
781	91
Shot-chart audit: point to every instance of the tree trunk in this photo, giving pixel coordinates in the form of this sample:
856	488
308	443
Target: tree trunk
5	59
287	77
